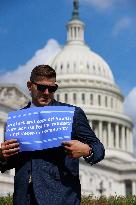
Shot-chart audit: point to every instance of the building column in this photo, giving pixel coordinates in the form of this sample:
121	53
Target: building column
100	131
131	141
91	123
117	135
73	36
128	140
123	137
62	97
110	136
105	136
87	99
133	187
96	128
70	98
80	98
95	100
102	101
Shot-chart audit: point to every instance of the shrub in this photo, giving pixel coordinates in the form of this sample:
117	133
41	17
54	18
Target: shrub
6	200
89	200
112	200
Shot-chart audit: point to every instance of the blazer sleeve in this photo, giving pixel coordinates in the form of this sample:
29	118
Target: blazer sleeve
85	134
7	164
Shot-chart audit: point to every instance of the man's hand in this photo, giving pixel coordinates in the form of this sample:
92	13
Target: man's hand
9	148
76	149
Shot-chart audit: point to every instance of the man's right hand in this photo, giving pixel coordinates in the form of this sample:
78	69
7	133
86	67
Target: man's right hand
9	148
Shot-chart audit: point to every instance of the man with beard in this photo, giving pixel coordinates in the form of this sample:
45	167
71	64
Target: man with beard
50	176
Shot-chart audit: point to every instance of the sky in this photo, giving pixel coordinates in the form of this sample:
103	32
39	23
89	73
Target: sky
33	31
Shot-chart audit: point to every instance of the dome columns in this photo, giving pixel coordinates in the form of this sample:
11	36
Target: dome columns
75	27
100	130
123	145
117	135
113	135
75	32
110	134
133	187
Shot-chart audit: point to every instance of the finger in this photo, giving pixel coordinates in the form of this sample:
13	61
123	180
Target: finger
11	150
10	146
9	155
14	145
68	148
67	143
10	141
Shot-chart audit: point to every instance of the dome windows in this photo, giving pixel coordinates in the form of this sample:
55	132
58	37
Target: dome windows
73	62
58	97
106	101
91	99
66	97
74	66
99	100
74	98
55	67
83	98
93	68
111	102
88	66
61	66
68	65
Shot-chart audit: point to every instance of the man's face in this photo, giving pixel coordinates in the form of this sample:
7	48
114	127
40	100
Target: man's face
42	91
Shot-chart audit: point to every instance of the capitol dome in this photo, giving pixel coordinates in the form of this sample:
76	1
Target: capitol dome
86	80
79	59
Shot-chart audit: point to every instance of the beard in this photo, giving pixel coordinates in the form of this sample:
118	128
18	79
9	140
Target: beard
42	99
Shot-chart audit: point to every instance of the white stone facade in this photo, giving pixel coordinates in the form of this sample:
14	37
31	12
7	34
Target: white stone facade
11	99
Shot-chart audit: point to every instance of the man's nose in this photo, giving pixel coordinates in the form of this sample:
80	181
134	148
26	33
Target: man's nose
46	91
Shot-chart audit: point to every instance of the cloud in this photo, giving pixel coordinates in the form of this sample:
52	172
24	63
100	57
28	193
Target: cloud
100	4
123	24
103	5
130	109
22	73
130	104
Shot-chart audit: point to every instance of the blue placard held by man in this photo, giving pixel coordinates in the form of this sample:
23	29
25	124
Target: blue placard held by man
40	128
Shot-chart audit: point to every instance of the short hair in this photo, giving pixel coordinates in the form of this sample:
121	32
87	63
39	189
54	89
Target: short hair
42	71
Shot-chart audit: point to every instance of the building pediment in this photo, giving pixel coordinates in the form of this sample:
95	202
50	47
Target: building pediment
12	97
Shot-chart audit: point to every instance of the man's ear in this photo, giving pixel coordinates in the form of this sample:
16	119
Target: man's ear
29	85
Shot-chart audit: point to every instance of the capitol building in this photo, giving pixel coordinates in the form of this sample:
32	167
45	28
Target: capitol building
86	80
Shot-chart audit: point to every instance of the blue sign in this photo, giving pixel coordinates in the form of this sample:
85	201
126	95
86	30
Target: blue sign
40	128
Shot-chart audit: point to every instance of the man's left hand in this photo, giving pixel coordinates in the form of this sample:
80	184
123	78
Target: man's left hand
76	149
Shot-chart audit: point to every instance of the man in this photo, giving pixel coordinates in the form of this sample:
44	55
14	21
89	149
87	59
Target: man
51	176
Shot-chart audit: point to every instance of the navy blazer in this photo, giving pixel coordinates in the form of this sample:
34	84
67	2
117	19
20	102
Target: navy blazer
55	176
